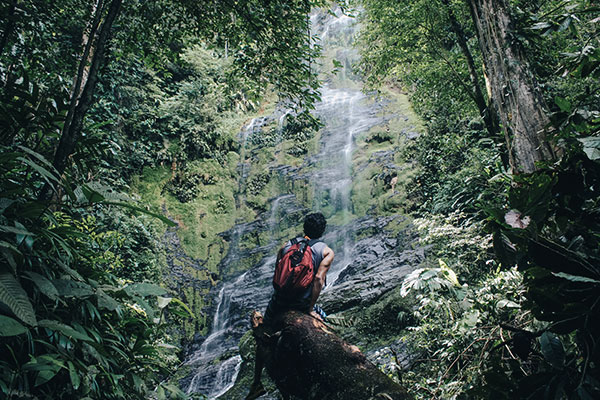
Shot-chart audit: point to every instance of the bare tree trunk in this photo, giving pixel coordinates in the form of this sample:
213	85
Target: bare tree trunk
80	80
514	91
85	83
308	361
487	113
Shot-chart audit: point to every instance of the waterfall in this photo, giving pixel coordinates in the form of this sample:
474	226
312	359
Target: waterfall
346	113
250	290
212	379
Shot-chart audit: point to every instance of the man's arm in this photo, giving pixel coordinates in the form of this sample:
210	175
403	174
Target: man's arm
319	281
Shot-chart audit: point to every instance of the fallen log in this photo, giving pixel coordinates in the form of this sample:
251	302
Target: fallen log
307	360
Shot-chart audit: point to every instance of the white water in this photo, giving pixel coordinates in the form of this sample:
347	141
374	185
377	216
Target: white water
346	113
210	379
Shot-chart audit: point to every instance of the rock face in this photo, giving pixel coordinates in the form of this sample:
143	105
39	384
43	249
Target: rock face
375	265
372	253
308	361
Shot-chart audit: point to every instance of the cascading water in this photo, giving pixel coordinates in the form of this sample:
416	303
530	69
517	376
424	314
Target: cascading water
215	379
249	291
346	113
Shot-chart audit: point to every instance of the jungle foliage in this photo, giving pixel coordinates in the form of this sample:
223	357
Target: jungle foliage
90	94
518	317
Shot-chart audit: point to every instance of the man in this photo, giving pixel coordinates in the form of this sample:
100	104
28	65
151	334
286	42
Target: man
322	256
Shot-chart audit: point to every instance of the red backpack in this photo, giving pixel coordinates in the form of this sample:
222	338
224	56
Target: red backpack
294	271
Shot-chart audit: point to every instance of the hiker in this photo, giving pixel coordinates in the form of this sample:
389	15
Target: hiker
300	272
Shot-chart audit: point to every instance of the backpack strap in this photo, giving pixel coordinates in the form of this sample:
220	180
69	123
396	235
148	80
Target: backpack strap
312	242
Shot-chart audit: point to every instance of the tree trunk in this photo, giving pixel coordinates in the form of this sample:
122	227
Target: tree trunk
487	113
80	104
514	91
308	361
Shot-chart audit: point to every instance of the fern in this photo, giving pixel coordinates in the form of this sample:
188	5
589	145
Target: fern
15	298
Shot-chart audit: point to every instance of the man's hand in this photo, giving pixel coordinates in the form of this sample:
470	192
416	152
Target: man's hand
316	315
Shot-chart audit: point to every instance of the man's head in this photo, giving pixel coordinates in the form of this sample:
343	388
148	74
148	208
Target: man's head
314	225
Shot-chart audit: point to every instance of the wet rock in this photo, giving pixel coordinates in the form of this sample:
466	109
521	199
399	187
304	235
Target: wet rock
393	358
378	264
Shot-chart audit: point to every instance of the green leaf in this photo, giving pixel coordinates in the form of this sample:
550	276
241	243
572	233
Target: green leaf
12	229
10	327
575	278
47	366
71	288
39	157
504	303
15	298
175	391
145	289
448	272
552	349
74	274
45	286
541	25
105	301
44	376
160	393
177	304
591	147
92	195
75	381
65	330
563	104
47	175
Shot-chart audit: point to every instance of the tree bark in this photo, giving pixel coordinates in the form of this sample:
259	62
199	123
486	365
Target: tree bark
514	91
306	360
80	104
490	118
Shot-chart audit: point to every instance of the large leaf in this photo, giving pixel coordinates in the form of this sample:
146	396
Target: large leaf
553	350
591	147
10	327
15	230
45	286
48	176
105	301
40	158
15	298
65	330
145	289
71	288
575	278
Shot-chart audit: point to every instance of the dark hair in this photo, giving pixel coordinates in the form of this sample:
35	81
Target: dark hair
314	225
